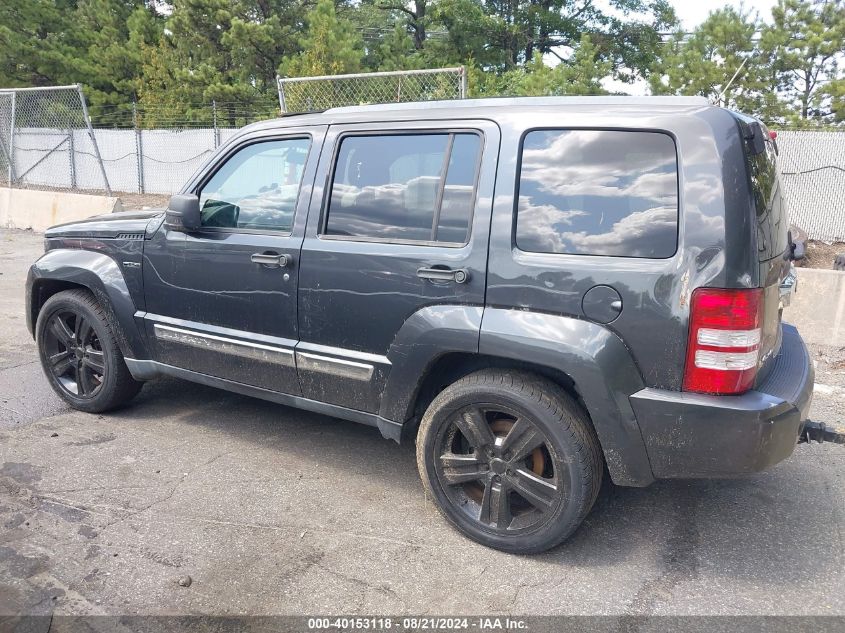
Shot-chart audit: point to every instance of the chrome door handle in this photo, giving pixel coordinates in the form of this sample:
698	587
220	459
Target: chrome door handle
273	260
459	275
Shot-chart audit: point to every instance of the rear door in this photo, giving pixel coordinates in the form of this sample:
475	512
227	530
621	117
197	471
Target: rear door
394	229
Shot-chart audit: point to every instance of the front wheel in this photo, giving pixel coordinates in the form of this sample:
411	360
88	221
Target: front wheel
511	460
80	355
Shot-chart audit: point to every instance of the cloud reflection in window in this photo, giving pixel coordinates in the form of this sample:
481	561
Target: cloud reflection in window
598	192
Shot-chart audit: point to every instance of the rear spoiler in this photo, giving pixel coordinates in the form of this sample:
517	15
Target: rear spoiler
756	136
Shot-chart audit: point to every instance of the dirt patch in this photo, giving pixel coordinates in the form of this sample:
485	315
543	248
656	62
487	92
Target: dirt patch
131	201
821	255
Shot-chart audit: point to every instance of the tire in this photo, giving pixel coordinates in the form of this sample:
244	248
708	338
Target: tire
525	483
80	355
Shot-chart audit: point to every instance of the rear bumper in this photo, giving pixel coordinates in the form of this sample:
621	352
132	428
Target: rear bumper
694	435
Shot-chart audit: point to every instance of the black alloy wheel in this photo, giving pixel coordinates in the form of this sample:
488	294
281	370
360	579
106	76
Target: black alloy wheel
74	354
497	467
80	354
510	458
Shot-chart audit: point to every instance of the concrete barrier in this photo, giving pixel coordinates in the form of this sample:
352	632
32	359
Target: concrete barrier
818	308
38	210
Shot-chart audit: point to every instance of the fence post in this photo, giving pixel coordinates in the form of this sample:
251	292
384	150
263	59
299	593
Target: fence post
139	147
93	138
214	120
12	176
463	82
72	150
281	89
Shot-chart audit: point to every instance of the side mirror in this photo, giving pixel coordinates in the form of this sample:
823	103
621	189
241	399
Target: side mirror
183	213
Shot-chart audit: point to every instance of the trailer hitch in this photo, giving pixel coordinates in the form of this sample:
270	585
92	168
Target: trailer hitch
820	432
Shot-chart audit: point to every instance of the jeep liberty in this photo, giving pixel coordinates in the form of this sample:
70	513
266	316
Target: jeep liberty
539	292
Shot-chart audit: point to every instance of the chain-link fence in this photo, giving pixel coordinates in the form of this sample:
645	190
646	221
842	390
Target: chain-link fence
154	149
812	165
307	94
46	140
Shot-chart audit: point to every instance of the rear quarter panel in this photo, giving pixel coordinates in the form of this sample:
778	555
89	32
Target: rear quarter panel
713	242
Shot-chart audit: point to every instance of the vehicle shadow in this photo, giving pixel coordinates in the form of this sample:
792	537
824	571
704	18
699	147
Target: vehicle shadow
784	524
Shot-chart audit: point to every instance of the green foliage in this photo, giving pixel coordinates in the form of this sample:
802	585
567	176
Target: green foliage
579	75
176	57
38	45
835	92
718	61
330	46
804	46
786	71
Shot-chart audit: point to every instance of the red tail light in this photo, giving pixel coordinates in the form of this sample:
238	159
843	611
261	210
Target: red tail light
723	352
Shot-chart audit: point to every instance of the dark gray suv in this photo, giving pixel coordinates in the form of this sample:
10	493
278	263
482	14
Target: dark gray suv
536	291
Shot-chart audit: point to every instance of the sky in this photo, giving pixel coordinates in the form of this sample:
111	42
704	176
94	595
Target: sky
691	13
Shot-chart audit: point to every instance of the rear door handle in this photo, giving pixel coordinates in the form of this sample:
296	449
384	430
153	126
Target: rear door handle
270	259
459	275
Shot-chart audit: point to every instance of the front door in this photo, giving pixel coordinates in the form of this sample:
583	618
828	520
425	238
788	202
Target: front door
222	300
399	222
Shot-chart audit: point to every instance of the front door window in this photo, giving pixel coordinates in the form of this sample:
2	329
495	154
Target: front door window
257	188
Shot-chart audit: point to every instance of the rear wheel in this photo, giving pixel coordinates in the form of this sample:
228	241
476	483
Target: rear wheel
80	355
511	460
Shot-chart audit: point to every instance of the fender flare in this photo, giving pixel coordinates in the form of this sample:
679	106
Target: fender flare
101	275
423	338
599	364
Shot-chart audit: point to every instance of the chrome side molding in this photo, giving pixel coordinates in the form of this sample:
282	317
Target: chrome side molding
335	366
225	345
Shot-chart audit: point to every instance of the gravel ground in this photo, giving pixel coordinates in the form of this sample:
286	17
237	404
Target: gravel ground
270	510
829	399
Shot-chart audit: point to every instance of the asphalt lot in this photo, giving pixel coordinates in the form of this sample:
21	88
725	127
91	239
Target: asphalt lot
274	511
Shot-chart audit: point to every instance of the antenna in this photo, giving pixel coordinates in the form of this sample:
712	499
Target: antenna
718	100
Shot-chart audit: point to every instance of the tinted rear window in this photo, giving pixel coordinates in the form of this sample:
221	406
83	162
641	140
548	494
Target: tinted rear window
405	187
598	192
772	221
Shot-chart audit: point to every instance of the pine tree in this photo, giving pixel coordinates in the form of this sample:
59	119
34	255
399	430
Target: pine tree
719	61
330	45
804	45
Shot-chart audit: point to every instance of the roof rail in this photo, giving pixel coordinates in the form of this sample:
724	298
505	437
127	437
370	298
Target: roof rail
537	101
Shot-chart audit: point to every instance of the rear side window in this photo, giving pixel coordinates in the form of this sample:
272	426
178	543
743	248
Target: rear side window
598	192
405	187
772	222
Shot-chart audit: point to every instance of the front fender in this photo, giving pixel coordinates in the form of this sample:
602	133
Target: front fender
101	275
599	364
